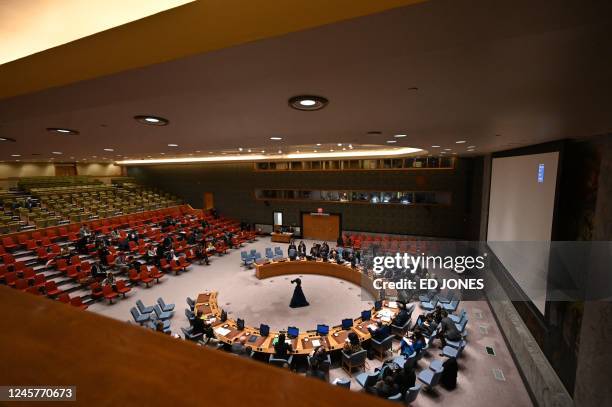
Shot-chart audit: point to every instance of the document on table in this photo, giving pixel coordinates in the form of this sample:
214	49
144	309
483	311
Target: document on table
315	343
392	304
222	331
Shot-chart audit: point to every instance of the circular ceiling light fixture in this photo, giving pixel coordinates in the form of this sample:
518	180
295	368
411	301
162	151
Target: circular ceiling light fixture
308	102
151	120
61	130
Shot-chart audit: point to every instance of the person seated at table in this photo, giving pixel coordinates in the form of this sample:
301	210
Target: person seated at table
315	370
167	242
239	348
210	248
114	235
412	343
96	271
333	255
151	255
301	249
324	252
121	262
352	344
319	354
110	280
380	333
314	251
292	245
401	318
102	253
281	348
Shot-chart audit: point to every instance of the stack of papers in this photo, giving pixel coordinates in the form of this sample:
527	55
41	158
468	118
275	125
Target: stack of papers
316	343
392	304
222	331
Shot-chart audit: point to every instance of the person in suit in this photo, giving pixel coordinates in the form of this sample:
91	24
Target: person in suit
384	388
352	344
302	249
448	330
448	380
405	378
324	251
315	369
401	318
314	251
380	333
281	348
239	347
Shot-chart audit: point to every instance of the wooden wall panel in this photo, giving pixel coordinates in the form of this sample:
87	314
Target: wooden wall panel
320	227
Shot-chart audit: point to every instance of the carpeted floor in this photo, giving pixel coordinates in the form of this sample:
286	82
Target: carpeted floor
266	301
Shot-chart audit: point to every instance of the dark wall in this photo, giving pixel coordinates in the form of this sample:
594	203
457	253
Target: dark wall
233	187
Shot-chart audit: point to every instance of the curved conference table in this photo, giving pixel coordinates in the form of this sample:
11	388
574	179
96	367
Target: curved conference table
227	332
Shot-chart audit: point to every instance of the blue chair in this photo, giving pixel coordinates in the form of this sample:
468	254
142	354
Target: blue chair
278	251
162	314
246	259
399	330
280	362
461	325
269	253
190	315
458	318
354	360
138	317
435	364
191	303
381	348
451	306
324	366
164	307
253	252
429	305
346	383
166	326
261	261
431	376
412	394
367	379
142	308
189	335
451	352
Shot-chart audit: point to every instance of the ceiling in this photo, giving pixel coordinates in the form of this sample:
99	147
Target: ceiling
521	73
36	25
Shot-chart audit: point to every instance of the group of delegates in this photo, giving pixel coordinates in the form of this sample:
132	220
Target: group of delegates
322	251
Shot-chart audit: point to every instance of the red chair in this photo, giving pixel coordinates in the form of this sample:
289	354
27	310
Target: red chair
21	284
28	274
51	289
63	233
33	290
145	278
72	271
183	263
133	246
108	293
52	234
42	254
133	276
96	290
190	254
65	298
46	242
176	267
122	288
37	236
78	302
62	265
72	237
8	258
156	274
110	260
31	245
164	265
75	260
10	278
8	243
85	266
39	281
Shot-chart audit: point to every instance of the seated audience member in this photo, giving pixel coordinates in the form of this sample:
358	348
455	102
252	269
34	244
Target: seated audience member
352	344
314	251
239	348
151	255
84	231
159	326
319	354
97	272
210	248
121	262
412	343
384	387
201	254
401	318
405	378
167	242
281	348
114	235
324	252
302	249
448	330
380	333
110	280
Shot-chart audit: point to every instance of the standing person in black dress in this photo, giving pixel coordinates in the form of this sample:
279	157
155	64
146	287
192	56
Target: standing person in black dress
299	299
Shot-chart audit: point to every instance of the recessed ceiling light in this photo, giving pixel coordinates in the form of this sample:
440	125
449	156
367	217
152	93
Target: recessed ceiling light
308	103
172	145
263	151
435	146
197	151
239	148
399	135
447	149
460	142
471	146
109	149
318	144
343	148
56	152
162	153
280	151
62	130
339	144
351	146
15	155
314	151
151	120
297	151
276	138
7	139
249	150
331	149
391	141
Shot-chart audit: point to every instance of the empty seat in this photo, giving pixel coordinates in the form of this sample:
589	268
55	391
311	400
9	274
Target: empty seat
138	317
142	309
108	293
122	288
164	306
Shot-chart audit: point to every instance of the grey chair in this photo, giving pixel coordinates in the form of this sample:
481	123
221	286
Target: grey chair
346	383
191	303
142	308
430	377
412	394
400	330
451	352
138	317
285	363
367	379
451	306
395	397
325	365
162	314
429	305
164	307
189	335
354	360
381	348
190	315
